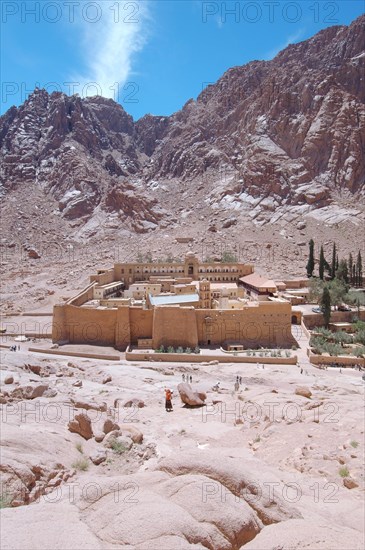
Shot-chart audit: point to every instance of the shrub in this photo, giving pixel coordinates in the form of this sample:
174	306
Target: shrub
334	349
344	471
79	447
354	444
197	349
287	353
118	447
188	350
358	352
360	337
170	349
325	332
82	464
358	326
342	337
179	350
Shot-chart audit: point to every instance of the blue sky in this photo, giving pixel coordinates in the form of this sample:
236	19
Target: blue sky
152	55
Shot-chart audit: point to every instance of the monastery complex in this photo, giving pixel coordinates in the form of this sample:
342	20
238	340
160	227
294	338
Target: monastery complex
187	304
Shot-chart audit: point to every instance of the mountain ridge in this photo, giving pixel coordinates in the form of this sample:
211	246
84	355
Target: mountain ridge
270	140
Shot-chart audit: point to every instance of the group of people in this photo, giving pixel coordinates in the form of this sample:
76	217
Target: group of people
187	378
13	348
237	383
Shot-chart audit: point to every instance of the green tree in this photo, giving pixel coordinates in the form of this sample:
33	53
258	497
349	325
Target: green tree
333	264
342	272
338	290
321	264
228	257
310	264
315	290
326	306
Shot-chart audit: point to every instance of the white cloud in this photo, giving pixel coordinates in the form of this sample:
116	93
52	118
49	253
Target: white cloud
290	40
109	45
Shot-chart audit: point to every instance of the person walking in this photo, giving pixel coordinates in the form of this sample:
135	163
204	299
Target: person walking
191	379
183	377
168	400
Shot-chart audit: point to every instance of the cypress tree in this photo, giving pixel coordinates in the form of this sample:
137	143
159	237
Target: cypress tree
326	306
333	264
342	272
321	264
310	264
359	269
350	265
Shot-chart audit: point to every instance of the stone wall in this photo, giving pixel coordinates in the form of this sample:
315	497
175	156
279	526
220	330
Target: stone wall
316	320
267	324
199	358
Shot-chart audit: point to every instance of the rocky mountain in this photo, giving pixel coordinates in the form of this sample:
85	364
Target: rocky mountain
270	140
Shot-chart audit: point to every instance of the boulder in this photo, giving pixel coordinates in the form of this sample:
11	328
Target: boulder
126	430
350	483
99	437
9	379
51	392
229	223
303	391
110	426
89	405
33	253
98	457
301	225
134	402
107	379
29	392
125	442
3	399
190	397
77	384
81	425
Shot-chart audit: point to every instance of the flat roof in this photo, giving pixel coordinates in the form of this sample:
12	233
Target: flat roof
223	285
110	285
258	281
173	299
